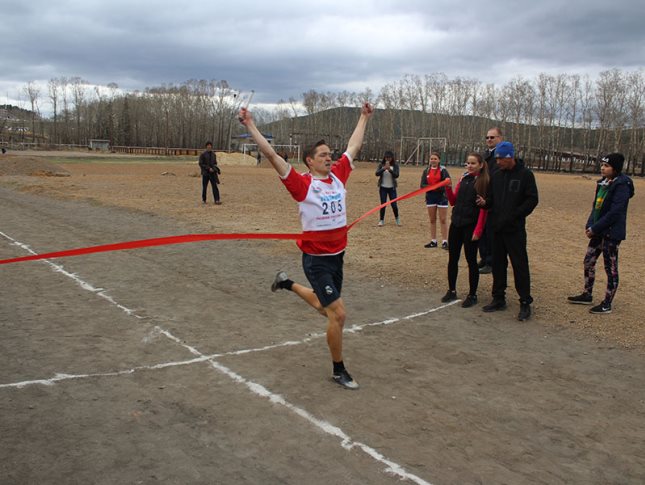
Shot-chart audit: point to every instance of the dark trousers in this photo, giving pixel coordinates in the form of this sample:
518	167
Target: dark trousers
511	245
385	193
486	245
213	181
458	237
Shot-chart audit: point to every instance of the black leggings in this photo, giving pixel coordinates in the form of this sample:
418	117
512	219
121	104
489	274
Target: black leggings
458	237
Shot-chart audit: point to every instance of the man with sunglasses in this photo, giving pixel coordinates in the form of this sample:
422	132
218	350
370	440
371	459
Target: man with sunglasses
493	137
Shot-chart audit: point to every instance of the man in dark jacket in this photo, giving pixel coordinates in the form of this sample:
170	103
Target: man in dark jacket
493	137
511	197
210	172
606	228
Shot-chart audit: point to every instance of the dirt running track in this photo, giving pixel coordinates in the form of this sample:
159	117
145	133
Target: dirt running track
146	379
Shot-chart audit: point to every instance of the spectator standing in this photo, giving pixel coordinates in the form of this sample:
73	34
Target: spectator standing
606	227
210	172
436	200
511	197
387	173
493	137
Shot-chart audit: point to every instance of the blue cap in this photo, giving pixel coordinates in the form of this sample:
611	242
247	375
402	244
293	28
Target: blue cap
504	149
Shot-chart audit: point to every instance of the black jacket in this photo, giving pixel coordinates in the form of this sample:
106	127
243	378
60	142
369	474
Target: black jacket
208	160
466	211
612	221
491	161
512	196
381	169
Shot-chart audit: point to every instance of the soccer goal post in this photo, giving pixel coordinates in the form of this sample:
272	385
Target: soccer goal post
427	145
291	153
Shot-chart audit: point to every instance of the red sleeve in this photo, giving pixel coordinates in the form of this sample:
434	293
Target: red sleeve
297	184
481	222
452	196
342	168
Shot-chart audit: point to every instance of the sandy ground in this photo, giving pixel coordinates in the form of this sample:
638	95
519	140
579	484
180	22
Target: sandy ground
254	200
177	365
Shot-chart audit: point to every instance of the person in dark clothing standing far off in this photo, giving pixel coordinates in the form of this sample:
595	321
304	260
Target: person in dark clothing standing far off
493	137
606	228
511	197
210	172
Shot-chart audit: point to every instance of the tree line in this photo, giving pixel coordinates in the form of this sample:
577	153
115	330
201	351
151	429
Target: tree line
557	122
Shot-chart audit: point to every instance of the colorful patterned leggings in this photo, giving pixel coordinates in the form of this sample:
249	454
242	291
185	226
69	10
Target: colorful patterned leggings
609	249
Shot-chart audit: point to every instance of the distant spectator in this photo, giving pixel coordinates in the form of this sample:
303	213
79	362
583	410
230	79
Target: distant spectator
387	173
210	172
436	200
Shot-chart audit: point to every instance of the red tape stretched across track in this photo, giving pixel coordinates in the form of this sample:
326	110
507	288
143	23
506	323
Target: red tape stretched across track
188	238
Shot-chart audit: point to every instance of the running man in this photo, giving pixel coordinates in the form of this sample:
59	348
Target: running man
320	194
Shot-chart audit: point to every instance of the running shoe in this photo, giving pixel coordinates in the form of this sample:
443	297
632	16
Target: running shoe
602	308
279	278
444	245
582	299
381	223
431	244
344	379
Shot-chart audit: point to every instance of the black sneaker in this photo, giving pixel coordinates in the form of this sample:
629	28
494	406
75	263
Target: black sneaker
444	245
582	299
602	308
449	296
431	244
494	306
279	278
486	269
469	301
344	379
525	312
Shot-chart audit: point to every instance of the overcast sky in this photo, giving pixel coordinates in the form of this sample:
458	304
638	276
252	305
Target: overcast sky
283	48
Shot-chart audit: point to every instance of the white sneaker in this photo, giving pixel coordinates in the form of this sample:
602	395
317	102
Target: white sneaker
381	223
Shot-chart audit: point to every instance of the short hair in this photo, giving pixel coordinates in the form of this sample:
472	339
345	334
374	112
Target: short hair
208	143
497	129
310	150
436	154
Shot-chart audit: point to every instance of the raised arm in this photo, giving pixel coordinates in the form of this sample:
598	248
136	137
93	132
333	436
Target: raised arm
265	147
356	140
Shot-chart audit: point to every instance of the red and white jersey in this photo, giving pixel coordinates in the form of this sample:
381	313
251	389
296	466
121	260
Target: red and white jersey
322	206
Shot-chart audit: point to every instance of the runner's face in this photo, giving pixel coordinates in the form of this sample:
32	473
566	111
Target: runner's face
434	161
472	165
320	163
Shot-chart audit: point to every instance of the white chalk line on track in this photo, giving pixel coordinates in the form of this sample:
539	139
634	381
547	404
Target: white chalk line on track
346	441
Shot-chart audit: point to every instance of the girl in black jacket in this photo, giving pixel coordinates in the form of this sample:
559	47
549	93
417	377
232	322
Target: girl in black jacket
466	226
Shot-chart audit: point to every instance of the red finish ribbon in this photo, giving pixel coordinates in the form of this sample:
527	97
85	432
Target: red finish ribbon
188	238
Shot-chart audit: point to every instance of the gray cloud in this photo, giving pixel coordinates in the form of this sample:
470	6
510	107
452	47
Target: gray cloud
283	48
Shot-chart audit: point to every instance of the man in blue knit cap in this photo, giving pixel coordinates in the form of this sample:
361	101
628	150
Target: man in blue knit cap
512	196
